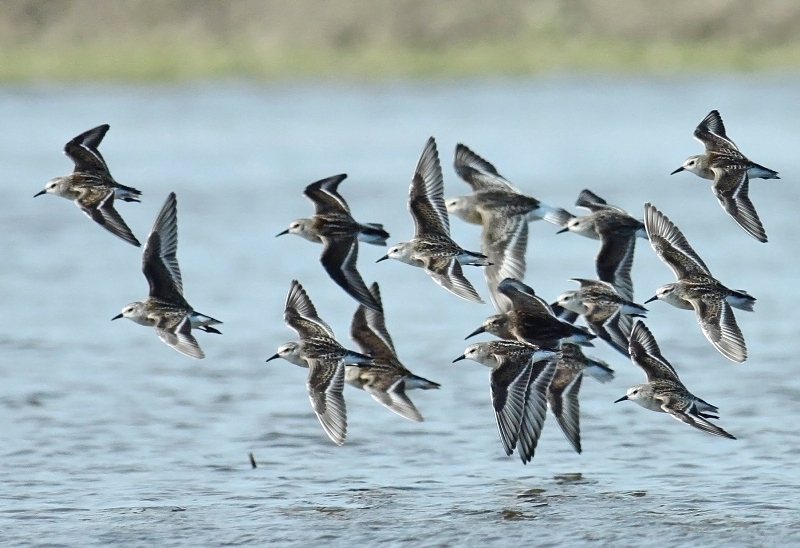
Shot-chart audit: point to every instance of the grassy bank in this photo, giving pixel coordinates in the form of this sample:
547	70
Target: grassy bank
136	62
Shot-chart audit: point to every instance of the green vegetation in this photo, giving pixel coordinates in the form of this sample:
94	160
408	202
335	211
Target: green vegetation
137	62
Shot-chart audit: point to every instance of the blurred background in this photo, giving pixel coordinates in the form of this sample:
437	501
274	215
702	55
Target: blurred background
184	39
109	437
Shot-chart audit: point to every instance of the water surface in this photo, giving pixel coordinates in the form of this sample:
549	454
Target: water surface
110	437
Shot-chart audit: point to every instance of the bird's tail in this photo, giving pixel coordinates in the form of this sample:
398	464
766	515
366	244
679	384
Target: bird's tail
372	233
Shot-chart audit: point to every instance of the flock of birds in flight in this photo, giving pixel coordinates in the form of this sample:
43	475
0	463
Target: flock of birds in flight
538	360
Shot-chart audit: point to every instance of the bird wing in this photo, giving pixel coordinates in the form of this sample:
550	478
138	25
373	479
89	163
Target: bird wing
535	408
645	353
179	337
325	384
562	395
671	246
301	315
426	194
82	150
339	257
325	195
718	323
97	202
731	187
160	260
395	399
504	241
711	132
477	172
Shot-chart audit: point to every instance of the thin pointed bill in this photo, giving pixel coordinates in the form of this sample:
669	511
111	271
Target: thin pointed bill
461	357
276	356
562	231
677	170
651	299
282	233
118	316
623	398
478	331
382	258
40	193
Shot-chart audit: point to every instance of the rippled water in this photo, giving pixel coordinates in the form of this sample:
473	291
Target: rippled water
110	437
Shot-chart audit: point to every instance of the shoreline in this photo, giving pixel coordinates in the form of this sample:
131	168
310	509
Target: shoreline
123	62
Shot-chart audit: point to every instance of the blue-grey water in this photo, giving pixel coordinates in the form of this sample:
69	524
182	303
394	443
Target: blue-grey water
109	437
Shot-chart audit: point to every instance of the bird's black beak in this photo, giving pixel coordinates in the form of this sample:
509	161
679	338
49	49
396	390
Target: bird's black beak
461	357
382	258
40	193
282	233
651	299
562	231
677	170
623	398
273	357
118	316
478	331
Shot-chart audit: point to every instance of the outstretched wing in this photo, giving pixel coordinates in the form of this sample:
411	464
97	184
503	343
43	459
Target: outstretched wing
301	315
477	172
368	330
82	150
160	260
426	194
670	244
509	388
325	384
339	258
325	195
690	416
504	241
718	323
646	354
97	202
181	339
711	132
395	399
731	187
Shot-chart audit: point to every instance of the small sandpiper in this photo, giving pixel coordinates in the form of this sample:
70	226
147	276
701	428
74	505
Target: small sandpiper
606	313
323	356
521	373
165	309
664	392
617	231
531	320
91	186
696	289
335	228
503	212
731	172
386	380
432	248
